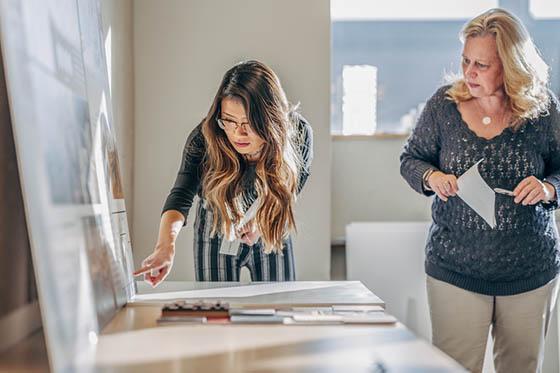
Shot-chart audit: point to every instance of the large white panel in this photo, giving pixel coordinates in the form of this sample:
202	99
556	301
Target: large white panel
389	259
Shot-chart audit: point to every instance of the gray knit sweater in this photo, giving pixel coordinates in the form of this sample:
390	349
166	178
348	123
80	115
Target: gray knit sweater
521	253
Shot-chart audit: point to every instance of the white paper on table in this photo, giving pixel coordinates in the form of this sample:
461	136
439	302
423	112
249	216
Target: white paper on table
356	308
237	291
474	191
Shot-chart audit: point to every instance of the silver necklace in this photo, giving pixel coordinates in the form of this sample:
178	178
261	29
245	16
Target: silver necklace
487	119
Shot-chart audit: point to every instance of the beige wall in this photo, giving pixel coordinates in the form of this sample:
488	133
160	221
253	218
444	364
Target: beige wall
381	194
367	185
117	22
181	51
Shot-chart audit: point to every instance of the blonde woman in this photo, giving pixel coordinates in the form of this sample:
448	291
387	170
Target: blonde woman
251	150
479	278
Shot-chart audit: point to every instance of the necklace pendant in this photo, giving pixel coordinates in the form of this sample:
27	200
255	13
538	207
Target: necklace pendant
486	120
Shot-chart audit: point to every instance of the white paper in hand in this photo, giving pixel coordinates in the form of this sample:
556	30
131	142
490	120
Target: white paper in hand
230	247
230	243
474	191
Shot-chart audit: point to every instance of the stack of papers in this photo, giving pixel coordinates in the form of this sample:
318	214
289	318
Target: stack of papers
337	314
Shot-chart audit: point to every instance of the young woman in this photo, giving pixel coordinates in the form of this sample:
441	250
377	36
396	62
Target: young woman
252	150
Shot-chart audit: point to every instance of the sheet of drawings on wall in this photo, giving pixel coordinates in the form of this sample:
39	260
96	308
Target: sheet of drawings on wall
59	95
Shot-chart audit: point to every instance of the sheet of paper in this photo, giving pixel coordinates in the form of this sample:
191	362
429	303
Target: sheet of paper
474	191
230	245
252	312
369	318
256	319
316	318
235	291
356	308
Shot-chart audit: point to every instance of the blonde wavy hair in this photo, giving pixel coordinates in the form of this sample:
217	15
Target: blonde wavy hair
526	75
273	119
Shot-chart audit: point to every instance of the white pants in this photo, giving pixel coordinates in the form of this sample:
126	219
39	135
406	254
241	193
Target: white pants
461	320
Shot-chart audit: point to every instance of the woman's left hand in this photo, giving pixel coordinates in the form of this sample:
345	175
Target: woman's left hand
248	233
531	191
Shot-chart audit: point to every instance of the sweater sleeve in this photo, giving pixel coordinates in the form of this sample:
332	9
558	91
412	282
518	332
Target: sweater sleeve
305	148
421	151
552	161
188	179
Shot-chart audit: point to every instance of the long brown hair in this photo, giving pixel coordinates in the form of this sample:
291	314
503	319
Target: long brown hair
525	73
272	118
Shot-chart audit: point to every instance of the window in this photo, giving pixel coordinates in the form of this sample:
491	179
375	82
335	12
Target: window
359	100
544	9
388	58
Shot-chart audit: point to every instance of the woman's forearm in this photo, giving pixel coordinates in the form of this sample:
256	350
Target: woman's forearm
170	225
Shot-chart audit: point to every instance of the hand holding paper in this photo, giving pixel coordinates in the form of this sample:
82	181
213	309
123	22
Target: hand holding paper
444	185
230	244
248	233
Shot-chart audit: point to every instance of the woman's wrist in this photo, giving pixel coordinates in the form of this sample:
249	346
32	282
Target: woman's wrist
550	191
426	177
167	246
170	226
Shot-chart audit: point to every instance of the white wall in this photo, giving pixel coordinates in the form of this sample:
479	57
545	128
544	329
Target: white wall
367	185
181	51
117	27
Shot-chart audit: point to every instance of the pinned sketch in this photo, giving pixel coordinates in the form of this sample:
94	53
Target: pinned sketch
474	191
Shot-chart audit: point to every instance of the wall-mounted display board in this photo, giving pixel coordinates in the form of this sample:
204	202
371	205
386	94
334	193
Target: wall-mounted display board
59	99
19	308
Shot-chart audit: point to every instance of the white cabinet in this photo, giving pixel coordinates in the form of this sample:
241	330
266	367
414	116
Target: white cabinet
389	259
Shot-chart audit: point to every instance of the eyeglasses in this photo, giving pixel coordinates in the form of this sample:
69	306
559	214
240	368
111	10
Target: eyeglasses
231	125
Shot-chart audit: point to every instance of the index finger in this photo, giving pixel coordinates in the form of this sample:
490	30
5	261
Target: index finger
143	270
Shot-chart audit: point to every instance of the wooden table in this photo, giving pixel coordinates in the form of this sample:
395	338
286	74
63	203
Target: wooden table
133	342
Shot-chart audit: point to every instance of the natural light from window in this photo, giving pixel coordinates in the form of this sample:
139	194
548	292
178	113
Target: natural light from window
359	100
108	47
545	9
389	57
364	10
